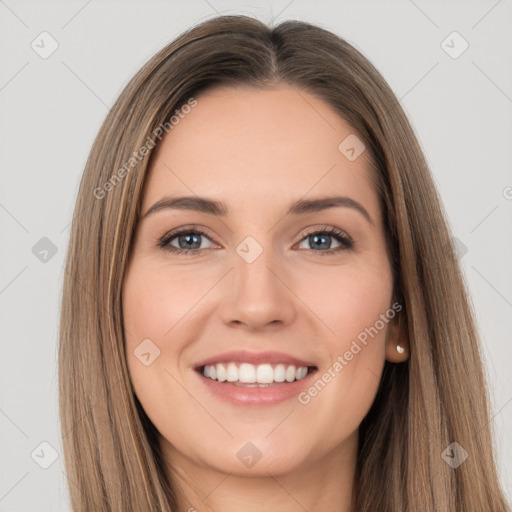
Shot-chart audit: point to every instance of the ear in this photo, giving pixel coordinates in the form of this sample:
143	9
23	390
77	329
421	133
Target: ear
397	340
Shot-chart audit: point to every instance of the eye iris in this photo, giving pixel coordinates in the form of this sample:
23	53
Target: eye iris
325	245
188	238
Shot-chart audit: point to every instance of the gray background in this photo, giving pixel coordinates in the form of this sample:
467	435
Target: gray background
52	108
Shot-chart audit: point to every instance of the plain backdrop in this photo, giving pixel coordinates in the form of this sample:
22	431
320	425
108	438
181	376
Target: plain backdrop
52	106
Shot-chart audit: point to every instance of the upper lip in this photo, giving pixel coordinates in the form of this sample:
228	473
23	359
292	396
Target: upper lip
246	356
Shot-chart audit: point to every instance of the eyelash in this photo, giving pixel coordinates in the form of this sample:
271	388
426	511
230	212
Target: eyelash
340	236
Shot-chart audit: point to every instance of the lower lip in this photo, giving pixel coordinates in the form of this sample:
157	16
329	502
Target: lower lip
240	395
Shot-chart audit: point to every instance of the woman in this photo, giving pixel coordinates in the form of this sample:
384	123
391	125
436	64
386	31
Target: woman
262	307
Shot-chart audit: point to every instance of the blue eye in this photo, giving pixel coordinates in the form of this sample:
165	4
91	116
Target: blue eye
189	241
321	239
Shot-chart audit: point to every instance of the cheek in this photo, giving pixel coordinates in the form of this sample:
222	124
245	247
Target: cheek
155	300
154	304
349	302
157	304
356	307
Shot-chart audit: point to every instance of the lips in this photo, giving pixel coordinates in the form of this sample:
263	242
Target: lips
255	358
247	378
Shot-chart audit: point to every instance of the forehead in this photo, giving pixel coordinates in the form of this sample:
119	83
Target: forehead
263	145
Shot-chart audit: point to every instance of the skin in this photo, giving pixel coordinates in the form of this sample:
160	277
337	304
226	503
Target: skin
259	151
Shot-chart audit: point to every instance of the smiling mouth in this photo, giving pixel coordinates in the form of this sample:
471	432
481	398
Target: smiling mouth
250	375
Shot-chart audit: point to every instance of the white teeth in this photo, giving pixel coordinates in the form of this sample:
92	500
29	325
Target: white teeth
264	374
221	373
280	373
246	373
232	372
290	374
299	374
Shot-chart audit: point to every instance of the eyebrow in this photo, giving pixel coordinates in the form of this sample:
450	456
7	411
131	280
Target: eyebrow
218	208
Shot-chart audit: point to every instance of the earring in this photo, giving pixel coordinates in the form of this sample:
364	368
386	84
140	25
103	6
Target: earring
399	348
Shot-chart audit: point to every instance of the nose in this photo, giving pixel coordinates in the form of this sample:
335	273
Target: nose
258	294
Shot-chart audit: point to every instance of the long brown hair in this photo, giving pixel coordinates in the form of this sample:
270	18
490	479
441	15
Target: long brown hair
437	397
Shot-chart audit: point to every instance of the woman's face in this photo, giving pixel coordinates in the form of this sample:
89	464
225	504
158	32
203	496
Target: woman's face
266	288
